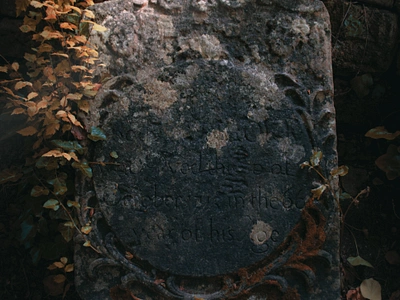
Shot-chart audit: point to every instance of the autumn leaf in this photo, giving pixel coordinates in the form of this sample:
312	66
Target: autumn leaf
11	174
371	289
381	133
36	4
18	111
358	261
59	278
39	191
67	25
86	229
21	84
316	157
317	192
27	131
96	26
48	35
73	204
69	268
20	6
52	204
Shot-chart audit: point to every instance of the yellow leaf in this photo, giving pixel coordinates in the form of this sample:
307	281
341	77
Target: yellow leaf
86	229
89	14
60	278
55	153
96	26
32	95
27	131
18	111
36	4
15	66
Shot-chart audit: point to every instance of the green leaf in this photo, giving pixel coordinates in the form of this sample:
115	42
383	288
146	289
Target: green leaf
345	196
52	204
38	191
59	185
68	145
84	168
96	134
49	163
358	261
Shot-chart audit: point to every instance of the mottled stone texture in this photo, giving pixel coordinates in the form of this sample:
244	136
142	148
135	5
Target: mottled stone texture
211	106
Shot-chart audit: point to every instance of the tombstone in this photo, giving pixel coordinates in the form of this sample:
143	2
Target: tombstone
197	192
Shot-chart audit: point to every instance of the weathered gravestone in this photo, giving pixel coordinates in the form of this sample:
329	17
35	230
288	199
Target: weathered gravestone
211	108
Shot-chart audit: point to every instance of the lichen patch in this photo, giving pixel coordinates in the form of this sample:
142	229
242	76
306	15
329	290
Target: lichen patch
217	139
260	233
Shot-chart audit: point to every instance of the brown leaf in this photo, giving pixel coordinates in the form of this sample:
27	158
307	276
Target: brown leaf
52	287
50	13
67	25
60	278
27	131
18	111
21	5
21	84
392	257
48	35
32	95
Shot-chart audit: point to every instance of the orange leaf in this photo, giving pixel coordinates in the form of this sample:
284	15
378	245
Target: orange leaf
61	114
21	84
67	25
50	13
42	104
27	131
18	111
32	110
89	14
15	66
74	120
32	95
61	54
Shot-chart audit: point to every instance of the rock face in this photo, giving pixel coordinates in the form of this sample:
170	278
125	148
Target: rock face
365	39
197	192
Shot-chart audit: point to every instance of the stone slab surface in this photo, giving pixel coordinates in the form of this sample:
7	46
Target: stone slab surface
211	108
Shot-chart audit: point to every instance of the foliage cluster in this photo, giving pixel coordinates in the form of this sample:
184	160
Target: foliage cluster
52	89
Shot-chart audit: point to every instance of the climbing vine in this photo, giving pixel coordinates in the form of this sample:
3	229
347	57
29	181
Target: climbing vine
52	89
